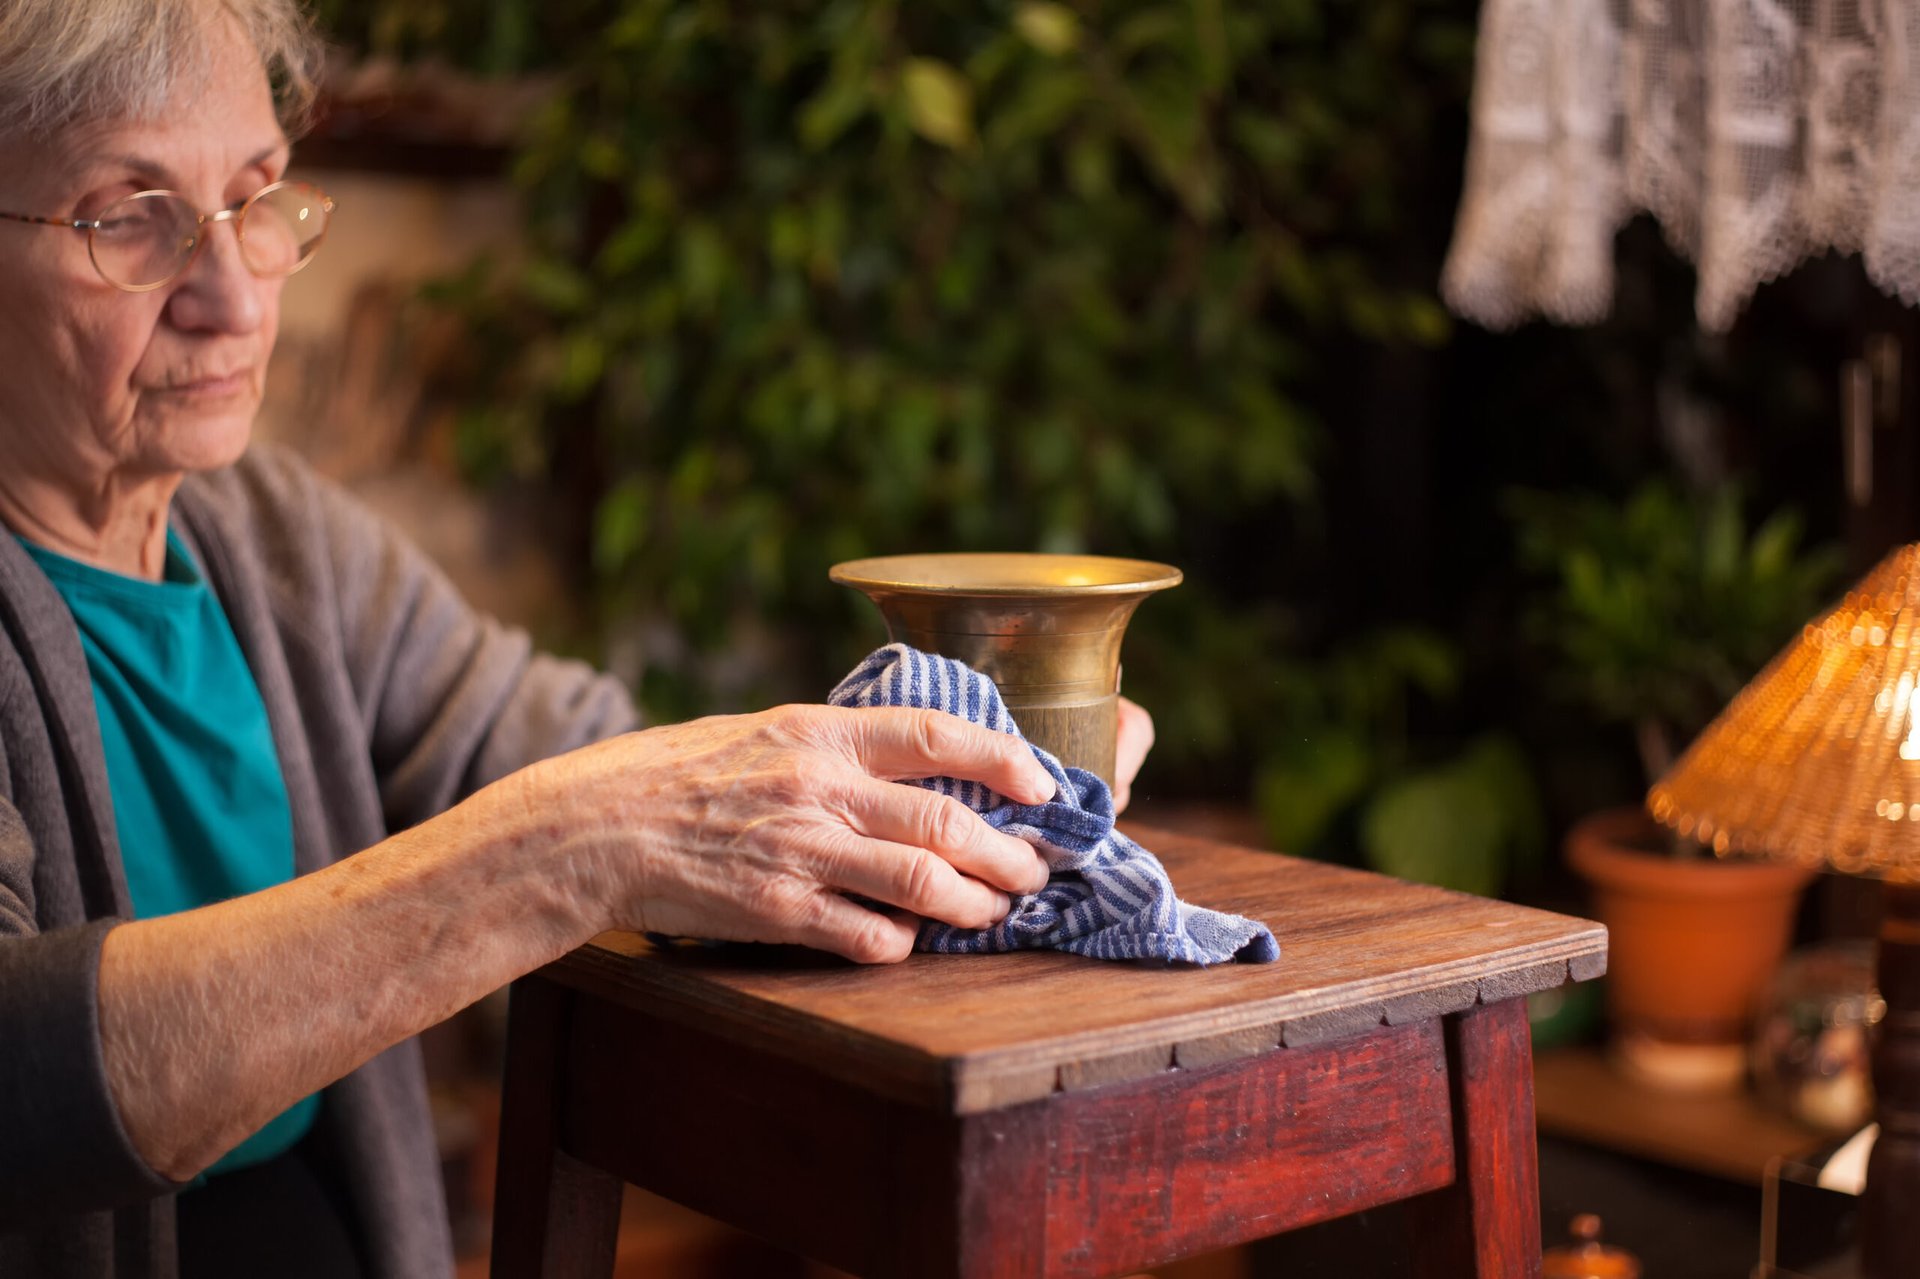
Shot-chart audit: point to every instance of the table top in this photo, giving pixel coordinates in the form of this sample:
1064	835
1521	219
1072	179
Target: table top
973	1033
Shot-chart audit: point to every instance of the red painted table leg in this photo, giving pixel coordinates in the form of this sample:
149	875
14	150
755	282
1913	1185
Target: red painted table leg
554	1217
1487	1224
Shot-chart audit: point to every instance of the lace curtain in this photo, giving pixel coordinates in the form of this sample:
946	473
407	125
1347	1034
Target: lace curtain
1757	133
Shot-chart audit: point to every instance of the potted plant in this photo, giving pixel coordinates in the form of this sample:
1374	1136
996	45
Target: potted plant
1658	611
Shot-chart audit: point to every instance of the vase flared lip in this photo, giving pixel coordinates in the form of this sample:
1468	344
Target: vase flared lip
1027	574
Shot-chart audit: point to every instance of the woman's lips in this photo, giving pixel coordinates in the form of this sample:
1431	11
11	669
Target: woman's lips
213	387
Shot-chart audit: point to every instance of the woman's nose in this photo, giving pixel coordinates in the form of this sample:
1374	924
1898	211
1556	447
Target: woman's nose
217	292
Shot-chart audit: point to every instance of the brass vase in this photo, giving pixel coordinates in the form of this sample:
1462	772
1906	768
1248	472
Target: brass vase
1045	628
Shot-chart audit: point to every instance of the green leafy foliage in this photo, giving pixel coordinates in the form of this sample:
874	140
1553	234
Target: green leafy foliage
1466	820
1346	730
1659	609
1463	824
806	283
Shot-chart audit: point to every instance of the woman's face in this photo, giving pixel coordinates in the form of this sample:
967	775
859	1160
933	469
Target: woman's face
100	386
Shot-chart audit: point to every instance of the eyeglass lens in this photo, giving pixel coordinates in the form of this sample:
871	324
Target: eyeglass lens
149	238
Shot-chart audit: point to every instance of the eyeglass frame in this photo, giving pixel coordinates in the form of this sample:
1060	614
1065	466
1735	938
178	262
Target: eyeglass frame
235	214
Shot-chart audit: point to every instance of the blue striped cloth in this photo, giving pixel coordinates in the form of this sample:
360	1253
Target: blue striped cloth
1109	897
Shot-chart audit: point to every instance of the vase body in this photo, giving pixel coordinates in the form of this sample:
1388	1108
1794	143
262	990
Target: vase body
1045	628
1692	946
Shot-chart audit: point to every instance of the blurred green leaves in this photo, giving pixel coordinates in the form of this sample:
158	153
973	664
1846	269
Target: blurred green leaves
805	283
1465	824
1051	28
1659	608
939	102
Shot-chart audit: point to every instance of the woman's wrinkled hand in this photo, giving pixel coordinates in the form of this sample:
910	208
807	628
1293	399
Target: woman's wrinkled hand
756	827
1133	741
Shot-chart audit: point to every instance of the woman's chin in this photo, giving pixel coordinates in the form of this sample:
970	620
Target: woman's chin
203	440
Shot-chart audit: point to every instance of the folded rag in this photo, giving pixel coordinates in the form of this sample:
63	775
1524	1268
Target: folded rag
1109	897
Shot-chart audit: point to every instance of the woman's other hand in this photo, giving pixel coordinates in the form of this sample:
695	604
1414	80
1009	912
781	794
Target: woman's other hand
756	827
1134	740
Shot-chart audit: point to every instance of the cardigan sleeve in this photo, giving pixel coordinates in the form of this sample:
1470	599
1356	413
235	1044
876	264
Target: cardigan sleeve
452	699
62	1145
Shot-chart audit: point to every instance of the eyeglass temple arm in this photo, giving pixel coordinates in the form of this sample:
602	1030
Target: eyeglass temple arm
65	222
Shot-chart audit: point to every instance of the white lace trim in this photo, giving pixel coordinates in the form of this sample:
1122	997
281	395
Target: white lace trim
1757	133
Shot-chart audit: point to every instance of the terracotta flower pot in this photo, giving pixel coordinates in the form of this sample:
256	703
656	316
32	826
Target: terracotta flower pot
1692	945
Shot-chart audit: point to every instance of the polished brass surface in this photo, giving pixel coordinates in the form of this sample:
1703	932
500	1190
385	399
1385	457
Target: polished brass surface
1045	628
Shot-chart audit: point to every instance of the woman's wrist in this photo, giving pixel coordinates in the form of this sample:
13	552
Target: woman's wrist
524	842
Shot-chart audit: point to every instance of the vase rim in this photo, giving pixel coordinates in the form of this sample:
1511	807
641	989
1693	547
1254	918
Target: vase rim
1028	574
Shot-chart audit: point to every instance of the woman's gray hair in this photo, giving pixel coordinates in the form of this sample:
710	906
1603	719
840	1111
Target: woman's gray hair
65	61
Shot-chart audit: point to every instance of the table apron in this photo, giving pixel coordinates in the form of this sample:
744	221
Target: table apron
1085	1183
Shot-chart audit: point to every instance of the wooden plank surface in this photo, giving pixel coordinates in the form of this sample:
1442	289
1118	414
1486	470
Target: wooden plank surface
1577	1094
972	1033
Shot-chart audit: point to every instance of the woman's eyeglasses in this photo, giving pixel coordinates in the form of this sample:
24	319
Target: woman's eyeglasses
145	240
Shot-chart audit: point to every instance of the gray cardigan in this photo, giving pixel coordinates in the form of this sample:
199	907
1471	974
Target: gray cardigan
390	700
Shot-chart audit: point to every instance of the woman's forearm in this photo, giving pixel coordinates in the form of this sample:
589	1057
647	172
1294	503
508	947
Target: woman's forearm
751	828
215	1020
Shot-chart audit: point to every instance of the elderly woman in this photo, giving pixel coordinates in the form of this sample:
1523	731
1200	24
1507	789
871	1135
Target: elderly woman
272	799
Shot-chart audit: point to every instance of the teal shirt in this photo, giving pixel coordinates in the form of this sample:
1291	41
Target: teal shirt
198	798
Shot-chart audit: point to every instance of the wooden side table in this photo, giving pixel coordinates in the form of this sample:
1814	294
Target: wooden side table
1044	1115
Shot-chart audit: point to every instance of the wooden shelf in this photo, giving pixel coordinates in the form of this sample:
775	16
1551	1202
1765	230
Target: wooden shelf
1577	1095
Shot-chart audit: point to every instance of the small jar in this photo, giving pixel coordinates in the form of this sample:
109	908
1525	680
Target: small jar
1811	1039
1586	1257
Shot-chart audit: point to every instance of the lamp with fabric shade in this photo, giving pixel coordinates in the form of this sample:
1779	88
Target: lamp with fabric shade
1817	761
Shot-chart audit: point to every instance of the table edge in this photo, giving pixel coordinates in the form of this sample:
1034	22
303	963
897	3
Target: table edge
975	1083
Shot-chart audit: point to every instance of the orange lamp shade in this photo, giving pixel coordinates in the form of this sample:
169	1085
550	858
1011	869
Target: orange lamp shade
1817	760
